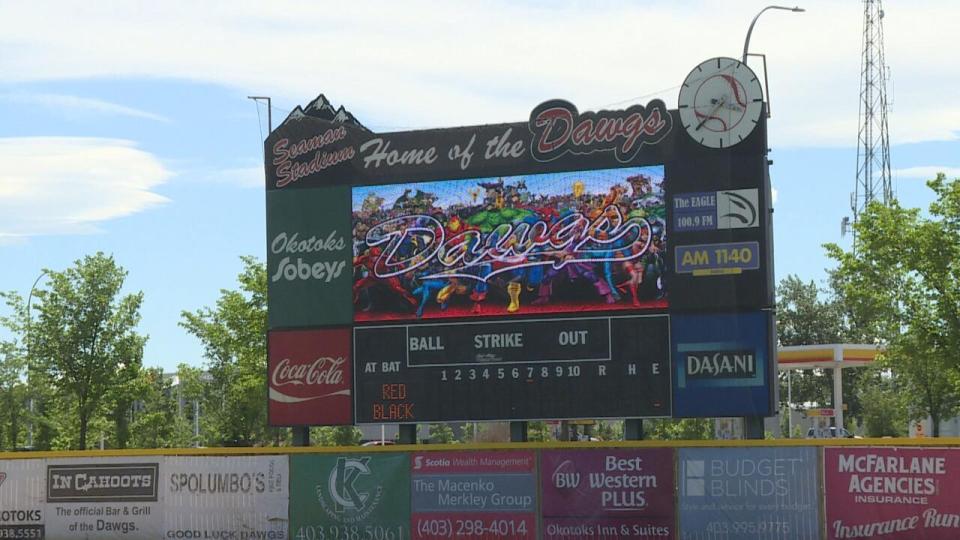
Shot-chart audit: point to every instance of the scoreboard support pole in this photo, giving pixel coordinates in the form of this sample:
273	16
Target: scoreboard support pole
633	429
518	432
752	427
301	436
408	433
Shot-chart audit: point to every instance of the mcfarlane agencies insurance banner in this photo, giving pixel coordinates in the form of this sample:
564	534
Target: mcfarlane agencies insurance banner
350	496
473	495
608	493
116	497
900	493
230	498
22	499
748	493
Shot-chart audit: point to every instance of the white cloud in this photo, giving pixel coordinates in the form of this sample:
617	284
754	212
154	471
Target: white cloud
925	172
75	103
416	64
62	185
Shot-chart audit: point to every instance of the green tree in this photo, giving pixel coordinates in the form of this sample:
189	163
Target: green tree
539	431
337	435
84	337
441	434
24	394
810	315
884	409
12	395
234	337
901	280
190	390
686	429
156	421
610	430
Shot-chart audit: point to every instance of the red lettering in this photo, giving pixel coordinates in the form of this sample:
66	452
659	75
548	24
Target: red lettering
394	391
547	120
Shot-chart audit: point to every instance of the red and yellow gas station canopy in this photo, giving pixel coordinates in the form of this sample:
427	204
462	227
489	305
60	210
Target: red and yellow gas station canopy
843	355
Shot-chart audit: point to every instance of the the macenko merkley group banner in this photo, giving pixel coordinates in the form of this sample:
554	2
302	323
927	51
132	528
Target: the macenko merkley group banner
487	272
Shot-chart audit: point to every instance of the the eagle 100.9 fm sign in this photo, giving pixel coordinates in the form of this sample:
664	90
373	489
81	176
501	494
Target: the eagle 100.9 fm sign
491	272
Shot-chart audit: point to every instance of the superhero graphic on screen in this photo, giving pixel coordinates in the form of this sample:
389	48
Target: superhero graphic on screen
546	243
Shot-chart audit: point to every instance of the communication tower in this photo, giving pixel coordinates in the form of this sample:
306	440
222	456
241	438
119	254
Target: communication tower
873	141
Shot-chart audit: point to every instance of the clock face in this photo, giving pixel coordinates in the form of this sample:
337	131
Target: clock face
720	102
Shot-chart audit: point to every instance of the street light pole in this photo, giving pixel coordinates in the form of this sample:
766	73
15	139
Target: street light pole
30	356
746	43
257	99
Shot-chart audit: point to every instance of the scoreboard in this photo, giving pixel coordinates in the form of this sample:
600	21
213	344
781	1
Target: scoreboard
568	368
600	264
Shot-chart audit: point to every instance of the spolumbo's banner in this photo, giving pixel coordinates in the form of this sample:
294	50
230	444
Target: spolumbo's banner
229	498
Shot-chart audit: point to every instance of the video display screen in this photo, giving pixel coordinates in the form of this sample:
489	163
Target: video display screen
518	245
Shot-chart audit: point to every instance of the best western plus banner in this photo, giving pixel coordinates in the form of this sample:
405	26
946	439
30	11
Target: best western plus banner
608	493
892	493
473	495
310	377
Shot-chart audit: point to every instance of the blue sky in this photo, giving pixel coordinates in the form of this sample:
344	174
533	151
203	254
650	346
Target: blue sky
125	128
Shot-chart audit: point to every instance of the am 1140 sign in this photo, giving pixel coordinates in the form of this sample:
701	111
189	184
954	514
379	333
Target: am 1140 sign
600	367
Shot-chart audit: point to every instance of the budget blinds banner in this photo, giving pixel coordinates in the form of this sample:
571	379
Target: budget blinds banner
22	499
748	493
350	496
92	498
722	364
230	498
517	245
893	493
473	495
607	493
308	257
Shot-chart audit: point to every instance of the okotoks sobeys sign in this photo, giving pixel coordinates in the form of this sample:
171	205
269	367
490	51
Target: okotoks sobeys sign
507	233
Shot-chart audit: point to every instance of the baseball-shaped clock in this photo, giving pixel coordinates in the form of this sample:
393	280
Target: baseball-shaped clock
720	102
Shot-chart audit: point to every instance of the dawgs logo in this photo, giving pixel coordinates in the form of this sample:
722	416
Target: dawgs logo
558	128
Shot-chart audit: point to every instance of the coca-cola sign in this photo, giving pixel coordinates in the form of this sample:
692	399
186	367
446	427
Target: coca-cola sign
309	377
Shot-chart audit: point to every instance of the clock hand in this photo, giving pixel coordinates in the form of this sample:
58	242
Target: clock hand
716	107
